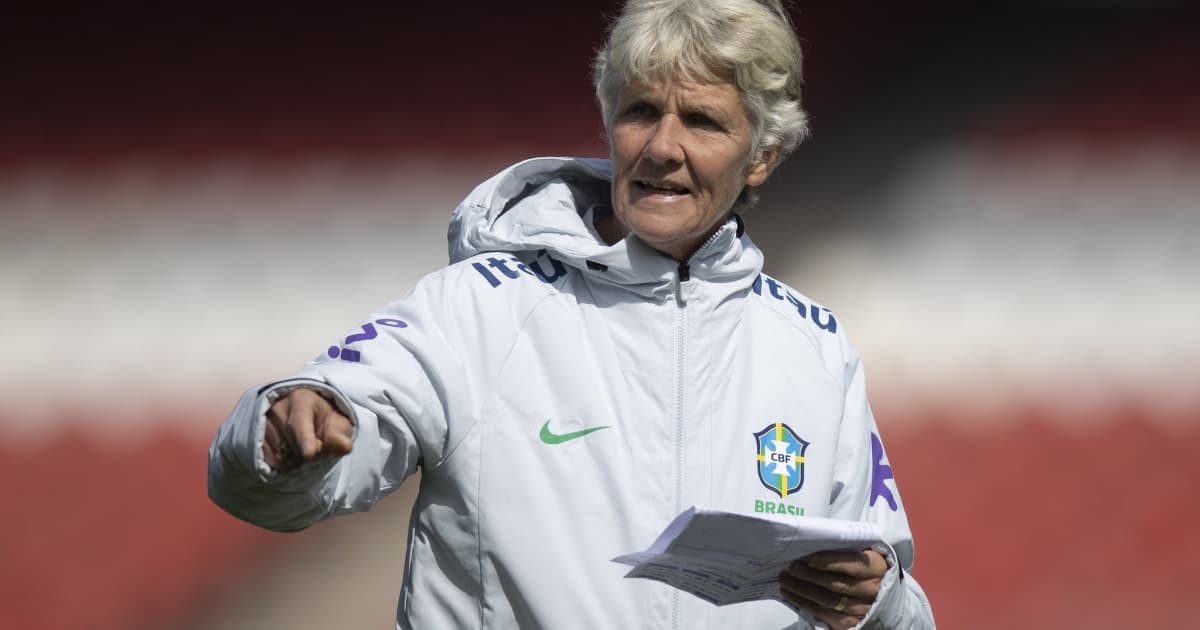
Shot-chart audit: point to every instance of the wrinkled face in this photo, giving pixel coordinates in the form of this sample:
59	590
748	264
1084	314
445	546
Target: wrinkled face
679	159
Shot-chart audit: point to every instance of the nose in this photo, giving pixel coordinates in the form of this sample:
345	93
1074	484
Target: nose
664	146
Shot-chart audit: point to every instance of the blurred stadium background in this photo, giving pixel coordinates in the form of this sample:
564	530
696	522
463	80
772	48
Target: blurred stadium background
1001	201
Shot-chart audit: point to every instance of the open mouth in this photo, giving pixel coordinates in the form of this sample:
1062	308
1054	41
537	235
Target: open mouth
661	188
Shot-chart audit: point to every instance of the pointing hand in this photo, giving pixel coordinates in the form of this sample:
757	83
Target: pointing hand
303	426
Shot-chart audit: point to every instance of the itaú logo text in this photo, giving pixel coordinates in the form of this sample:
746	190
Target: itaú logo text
498	269
820	315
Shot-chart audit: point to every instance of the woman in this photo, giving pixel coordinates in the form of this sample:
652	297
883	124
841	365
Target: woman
594	361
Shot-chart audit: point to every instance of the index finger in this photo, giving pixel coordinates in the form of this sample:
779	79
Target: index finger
865	564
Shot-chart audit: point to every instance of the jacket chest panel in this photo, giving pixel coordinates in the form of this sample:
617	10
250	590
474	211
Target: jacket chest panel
568	445
571	419
598	414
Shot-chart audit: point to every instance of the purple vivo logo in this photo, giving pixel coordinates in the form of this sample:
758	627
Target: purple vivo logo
880	473
368	333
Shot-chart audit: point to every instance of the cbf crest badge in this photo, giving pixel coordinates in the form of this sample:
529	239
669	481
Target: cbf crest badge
780	459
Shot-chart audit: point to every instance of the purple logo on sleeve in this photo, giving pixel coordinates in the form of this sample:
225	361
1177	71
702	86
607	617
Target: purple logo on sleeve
368	333
880	472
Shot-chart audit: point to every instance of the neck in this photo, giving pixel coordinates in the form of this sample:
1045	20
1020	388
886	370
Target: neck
610	229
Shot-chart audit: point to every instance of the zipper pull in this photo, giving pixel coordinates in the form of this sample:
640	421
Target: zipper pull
685	272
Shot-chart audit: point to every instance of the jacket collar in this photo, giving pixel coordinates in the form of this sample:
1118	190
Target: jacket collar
548	204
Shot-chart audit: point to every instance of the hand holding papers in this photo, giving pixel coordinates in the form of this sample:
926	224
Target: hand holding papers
726	558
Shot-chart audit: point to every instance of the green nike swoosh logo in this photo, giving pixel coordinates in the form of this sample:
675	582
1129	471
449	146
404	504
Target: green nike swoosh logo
554	438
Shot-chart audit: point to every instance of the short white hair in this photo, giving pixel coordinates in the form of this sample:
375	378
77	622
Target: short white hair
710	41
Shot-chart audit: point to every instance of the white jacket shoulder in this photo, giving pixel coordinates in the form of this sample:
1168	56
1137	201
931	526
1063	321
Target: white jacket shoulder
813	322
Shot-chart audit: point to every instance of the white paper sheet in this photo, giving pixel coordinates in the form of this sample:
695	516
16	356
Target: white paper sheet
726	558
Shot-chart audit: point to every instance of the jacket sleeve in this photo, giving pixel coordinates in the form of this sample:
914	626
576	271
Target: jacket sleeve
397	376
865	490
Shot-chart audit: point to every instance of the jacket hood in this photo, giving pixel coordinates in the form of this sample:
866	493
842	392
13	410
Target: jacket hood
547	205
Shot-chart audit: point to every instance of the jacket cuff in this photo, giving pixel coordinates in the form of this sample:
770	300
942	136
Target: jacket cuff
888	609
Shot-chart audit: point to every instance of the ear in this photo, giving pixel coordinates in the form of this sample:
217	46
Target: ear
762	166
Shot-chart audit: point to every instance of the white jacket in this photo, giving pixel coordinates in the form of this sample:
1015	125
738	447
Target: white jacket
715	385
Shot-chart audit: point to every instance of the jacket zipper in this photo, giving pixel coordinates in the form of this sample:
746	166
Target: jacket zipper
683	274
681	328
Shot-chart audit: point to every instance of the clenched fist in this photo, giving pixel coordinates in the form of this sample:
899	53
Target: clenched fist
303	426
